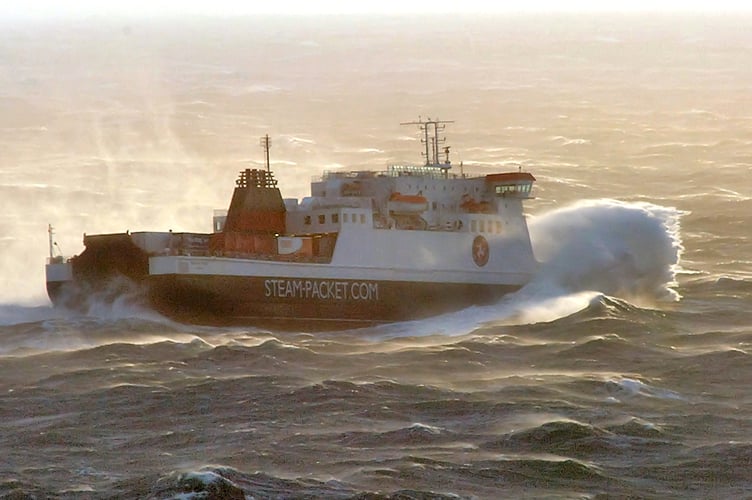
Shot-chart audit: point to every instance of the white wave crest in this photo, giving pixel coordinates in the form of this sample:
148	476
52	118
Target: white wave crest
621	389
631	250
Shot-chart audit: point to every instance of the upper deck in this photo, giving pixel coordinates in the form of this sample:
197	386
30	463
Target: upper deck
412	197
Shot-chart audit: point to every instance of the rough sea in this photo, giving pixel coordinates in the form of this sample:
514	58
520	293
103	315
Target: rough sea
622	370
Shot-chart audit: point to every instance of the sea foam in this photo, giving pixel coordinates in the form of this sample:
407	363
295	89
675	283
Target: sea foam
631	250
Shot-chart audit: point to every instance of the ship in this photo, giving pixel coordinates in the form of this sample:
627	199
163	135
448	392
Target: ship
367	246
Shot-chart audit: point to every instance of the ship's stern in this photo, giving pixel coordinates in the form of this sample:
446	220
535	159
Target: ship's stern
59	278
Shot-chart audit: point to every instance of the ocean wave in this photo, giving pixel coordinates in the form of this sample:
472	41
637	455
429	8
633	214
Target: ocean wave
30	331
547	437
567	141
712	471
416	434
720	285
724	368
626	388
569	438
222	482
15	314
543	472
613	247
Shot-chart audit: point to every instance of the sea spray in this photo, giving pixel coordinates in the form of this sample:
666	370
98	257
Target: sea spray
593	248
631	250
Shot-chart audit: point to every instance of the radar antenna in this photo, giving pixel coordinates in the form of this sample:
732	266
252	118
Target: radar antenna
430	130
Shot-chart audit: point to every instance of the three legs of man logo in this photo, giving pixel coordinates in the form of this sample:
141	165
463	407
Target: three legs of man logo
480	251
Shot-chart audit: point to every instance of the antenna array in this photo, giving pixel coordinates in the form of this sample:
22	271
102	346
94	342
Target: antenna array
430	130
266	143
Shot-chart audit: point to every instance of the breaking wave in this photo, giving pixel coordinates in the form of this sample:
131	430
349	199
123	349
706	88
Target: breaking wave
617	248
600	247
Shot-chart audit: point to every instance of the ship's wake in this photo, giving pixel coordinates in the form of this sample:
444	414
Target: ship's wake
587	250
112	314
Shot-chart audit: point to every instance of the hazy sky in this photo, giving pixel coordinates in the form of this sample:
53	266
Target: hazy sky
47	8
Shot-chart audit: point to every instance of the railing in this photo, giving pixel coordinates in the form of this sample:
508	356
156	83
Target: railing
433	171
256	178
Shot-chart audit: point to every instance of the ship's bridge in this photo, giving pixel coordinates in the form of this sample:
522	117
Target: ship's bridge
511	184
437	171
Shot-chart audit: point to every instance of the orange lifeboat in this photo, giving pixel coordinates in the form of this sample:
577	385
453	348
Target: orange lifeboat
407	203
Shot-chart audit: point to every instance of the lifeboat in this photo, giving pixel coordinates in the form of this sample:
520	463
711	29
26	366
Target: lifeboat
407	203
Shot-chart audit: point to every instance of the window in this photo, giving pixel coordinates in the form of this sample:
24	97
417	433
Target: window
498	226
473	226
513	188
345	218
307	220
335	218
362	218
322	219
482	226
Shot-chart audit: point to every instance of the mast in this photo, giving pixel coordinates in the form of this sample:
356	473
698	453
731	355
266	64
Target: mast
266	143
432	127
51	233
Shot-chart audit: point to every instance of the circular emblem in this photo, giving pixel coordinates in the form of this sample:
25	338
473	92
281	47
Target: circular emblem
480	251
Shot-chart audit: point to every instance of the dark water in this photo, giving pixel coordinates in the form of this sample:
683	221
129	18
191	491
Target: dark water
622	370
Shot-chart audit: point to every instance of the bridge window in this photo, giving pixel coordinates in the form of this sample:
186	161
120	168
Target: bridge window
505	189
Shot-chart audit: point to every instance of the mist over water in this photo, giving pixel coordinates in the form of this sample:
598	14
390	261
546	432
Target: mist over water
621	369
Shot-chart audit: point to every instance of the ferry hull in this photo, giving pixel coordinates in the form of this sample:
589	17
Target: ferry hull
212	299
242	298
